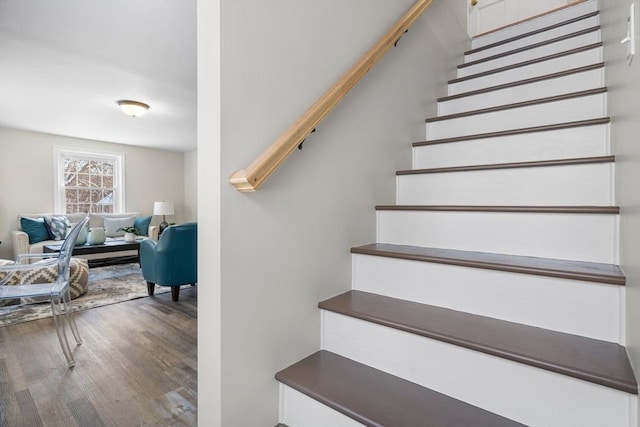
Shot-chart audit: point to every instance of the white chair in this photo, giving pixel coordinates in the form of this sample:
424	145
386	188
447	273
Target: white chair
57	290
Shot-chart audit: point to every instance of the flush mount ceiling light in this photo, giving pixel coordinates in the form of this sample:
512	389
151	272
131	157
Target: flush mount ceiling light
133	108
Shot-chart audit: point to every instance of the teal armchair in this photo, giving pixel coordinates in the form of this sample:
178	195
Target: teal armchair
173	260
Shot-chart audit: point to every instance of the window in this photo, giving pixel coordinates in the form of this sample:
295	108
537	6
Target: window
89	182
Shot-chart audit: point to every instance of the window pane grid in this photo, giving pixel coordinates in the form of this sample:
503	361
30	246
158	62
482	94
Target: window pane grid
88	185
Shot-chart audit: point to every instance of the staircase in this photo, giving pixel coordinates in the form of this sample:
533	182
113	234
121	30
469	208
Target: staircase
492	297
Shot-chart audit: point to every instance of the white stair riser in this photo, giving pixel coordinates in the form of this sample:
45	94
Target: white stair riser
593	310
515	58
581	108
579	237
535	24
520	392
590	184
299	410
536	38
588	57
587	141
592	79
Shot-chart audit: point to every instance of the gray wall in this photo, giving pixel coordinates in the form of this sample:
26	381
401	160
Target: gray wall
27	173
623	102
286	247
190	186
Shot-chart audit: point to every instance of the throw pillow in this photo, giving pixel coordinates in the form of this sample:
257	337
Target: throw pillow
111	226
142	223
35	229
58	226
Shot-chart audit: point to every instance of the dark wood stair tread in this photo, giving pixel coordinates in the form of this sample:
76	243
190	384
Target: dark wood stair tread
531	46
588	359
519	131
532	33
523	82
529	62
521	104
375	398
565	269
514	165
598	210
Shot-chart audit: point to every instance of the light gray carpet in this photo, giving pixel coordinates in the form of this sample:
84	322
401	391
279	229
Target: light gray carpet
107	285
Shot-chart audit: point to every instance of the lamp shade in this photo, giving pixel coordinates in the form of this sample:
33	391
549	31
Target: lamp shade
163	208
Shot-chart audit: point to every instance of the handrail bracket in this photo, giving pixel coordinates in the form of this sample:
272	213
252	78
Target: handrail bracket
395	44
300	146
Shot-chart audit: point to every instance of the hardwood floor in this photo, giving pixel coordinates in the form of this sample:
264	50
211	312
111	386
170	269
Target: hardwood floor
136	367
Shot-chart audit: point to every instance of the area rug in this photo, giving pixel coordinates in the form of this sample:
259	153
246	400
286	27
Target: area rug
107	285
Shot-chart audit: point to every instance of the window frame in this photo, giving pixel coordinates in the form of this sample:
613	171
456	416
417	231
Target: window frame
118	175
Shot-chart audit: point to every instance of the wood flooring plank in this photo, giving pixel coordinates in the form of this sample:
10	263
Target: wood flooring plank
28	410
121	377
85	414
179	406
7	398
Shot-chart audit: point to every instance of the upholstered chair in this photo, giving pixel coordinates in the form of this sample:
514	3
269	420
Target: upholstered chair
172	260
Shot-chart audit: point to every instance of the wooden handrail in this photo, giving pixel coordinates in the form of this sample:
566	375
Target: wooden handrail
258	171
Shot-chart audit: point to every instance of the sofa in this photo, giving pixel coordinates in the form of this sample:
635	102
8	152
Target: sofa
24	242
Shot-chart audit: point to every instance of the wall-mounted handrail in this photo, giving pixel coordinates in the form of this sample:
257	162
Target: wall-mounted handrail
252	177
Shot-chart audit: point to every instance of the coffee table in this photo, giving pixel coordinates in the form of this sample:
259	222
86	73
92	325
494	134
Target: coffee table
111	246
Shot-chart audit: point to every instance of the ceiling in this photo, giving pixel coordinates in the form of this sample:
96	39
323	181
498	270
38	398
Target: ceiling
65	63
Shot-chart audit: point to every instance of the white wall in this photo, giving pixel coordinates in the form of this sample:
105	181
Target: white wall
209	185
190	186
286	247
623	102
27	172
